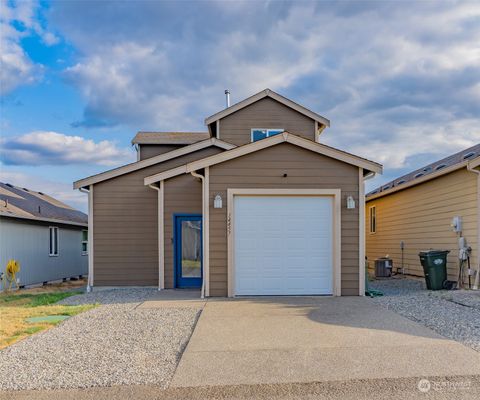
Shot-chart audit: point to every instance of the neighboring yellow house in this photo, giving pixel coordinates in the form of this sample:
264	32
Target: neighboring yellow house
418	209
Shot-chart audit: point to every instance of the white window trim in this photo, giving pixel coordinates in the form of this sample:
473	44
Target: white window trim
370	220
265	129
57	244
85	253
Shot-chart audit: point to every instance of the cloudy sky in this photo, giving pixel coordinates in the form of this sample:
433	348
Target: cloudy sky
400	81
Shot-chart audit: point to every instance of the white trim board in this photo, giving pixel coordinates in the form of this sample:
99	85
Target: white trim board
262	144
337	237
275	96
361	232
152	161
90	238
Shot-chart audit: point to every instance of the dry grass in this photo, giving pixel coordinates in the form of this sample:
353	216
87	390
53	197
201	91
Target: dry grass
16	307
55	287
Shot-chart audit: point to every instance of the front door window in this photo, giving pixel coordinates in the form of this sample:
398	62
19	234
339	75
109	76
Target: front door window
188	251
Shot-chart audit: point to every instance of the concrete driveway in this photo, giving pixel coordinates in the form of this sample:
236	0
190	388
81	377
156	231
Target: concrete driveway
313	339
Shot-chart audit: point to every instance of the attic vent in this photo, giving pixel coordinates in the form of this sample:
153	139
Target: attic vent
375	191
427	169
401	181
440	166
386	187
25	189
9	185
41	193
418	175
468	155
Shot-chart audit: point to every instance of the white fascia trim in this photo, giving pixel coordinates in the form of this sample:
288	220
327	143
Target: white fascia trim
152	161
267	93
262	144
475	163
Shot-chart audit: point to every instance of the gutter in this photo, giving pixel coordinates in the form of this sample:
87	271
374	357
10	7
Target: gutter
471	168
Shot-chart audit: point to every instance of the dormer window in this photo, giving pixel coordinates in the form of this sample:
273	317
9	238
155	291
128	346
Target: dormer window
259	133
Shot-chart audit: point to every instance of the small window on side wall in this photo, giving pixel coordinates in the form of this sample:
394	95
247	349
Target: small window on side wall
373	219
259	134
53	242
84	242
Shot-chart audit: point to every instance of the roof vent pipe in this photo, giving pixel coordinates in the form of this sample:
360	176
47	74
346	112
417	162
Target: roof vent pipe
227	97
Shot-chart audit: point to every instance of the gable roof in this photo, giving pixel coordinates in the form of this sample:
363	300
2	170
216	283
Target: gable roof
151	161
267	93
431	171
25	203
285	137
169	137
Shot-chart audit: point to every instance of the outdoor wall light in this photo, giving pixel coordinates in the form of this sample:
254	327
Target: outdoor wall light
217	202
350	202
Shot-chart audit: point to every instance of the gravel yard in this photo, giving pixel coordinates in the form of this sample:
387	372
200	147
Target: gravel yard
454	314
115	344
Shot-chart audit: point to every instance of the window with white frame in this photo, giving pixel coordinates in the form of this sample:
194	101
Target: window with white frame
53	243
373	219
259	133
84	242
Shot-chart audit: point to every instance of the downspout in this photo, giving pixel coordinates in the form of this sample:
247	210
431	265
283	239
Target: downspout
137	149
202	178
90	236
477	275
160	223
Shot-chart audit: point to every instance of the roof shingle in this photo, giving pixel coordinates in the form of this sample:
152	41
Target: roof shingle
169	137
26	203
457	158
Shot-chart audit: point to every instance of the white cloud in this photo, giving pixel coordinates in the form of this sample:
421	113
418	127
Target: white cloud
58	190
16	66
52	148
395	81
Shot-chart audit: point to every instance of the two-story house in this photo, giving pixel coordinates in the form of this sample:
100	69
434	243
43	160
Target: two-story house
256	205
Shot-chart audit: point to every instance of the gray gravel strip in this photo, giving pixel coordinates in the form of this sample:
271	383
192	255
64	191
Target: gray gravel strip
131	296
115	344
453	314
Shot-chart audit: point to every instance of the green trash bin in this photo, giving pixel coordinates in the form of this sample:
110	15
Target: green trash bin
434	263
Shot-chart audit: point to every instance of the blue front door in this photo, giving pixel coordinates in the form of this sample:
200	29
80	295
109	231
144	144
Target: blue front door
188	251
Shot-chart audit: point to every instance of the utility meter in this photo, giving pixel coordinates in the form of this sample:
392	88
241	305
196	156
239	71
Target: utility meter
457	224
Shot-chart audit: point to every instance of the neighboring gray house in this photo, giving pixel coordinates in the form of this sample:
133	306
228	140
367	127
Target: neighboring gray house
47	237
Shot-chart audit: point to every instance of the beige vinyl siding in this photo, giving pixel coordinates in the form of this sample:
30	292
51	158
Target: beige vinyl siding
421	216
152	150
266	113
183	195
125	225
265	169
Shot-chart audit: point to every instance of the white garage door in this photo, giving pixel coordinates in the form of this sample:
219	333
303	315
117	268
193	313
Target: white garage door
283	245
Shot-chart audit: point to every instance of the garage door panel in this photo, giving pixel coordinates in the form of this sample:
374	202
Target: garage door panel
283	245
